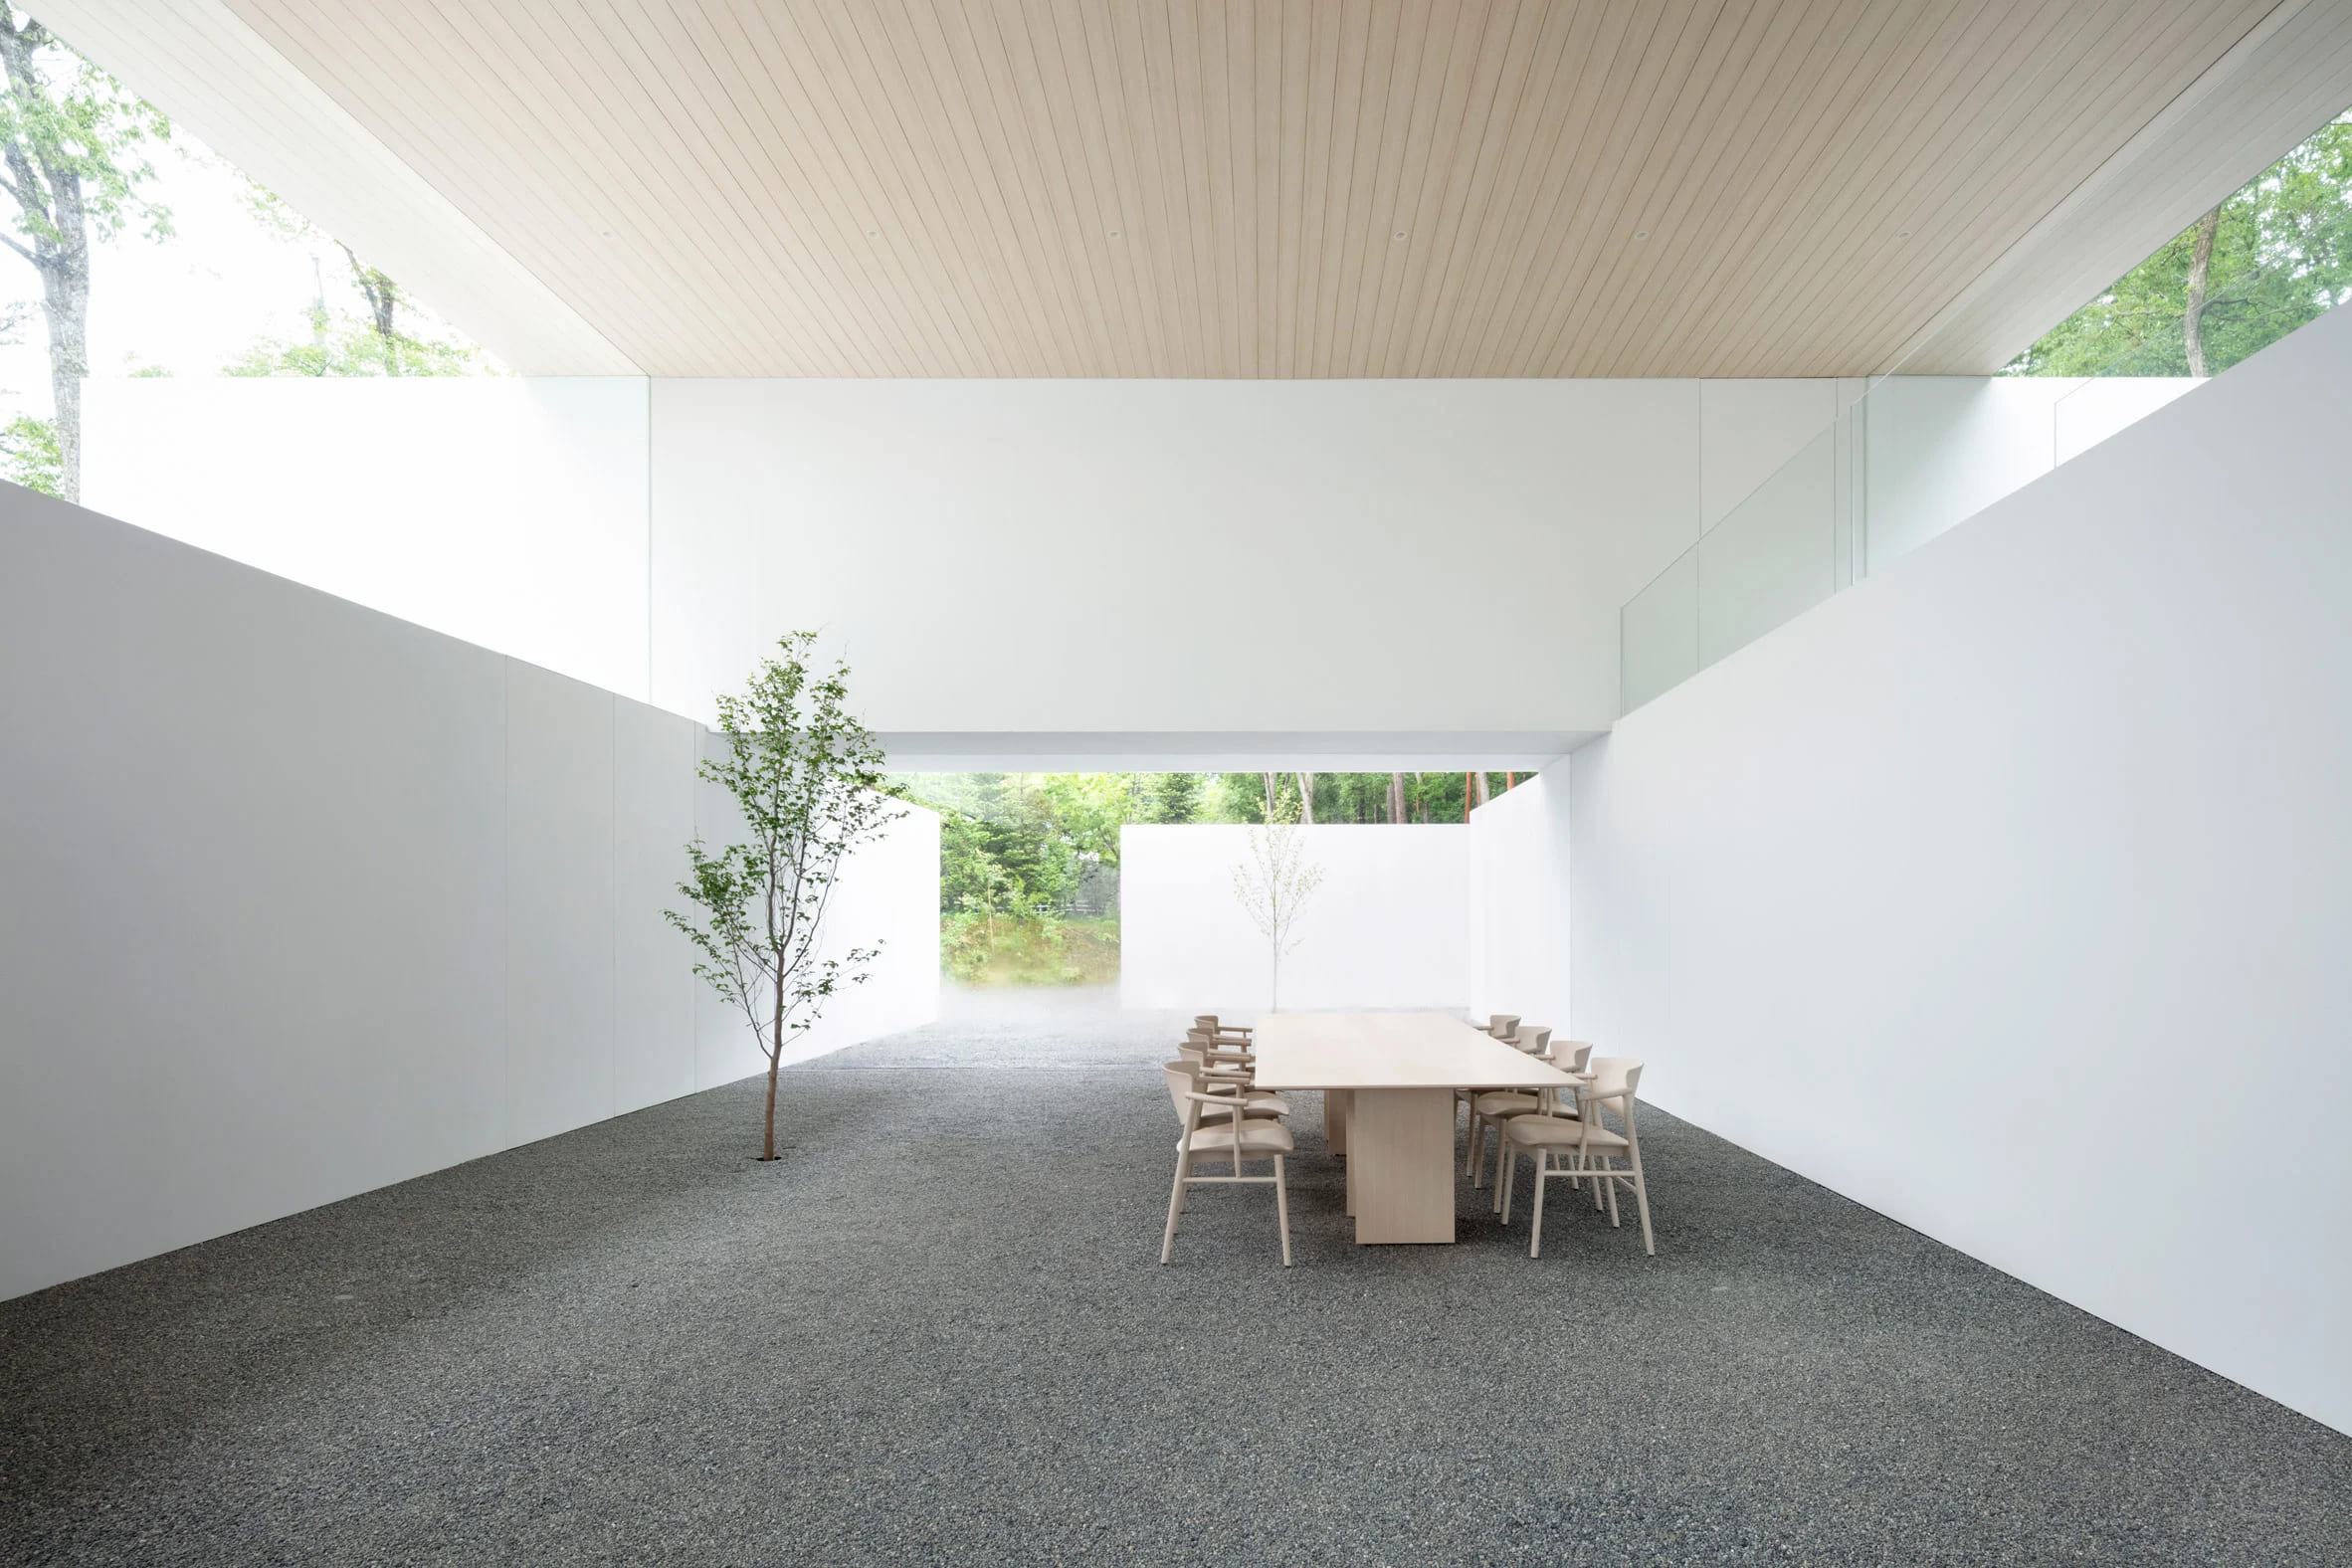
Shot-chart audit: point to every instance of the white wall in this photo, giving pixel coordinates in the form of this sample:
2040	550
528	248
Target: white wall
1386	929
1230	556
297	899
1518	907
2008	893
509	512
1194	534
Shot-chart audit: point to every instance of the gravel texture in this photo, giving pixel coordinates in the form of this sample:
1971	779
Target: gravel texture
936	1332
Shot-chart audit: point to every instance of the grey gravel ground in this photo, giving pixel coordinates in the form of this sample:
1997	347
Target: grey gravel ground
936	1332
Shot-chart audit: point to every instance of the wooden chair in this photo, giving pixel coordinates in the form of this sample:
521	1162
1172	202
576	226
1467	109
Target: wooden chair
1592	1149
1224	1084
1227	1033
1200	1046
1247	1138
1489	1107
1500	1026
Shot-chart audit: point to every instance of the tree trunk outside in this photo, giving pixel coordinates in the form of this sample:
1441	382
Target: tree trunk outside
2199	276
1307	799
1396	797
65	299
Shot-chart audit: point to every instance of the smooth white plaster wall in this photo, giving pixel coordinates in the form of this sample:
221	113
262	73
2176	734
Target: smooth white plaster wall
505	512
1518	907
1175	556
297	899
1190	532
2009	892
1386	929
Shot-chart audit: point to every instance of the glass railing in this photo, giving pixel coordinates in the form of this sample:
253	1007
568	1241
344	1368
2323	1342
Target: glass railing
1897	467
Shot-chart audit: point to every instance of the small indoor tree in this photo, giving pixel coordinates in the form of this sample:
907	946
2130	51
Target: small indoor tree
807	778
1275	883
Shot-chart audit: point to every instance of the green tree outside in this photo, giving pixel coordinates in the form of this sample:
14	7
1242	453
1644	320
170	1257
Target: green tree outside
1029	861
2274	256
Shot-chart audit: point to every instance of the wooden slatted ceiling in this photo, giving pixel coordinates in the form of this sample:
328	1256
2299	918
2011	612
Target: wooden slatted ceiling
1236	188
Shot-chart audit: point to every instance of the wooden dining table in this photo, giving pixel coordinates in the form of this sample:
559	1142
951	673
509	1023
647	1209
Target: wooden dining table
1388	1082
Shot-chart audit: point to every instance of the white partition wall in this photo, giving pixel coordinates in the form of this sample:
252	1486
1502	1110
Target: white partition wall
1388	928
1518	906
2009	893
509	512
301	900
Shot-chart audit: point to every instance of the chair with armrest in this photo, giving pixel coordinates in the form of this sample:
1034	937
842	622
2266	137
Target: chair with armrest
1590	1148
1489	1107
1245	1137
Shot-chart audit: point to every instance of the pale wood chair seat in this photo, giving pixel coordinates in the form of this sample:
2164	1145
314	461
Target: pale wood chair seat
1257	1138
1507	1103
1560	1132
1258	1106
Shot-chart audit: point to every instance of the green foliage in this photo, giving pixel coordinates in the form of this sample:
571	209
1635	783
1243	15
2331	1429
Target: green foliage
1175	798
2281	257
806	777
1029	861
29	455
345	346
71	138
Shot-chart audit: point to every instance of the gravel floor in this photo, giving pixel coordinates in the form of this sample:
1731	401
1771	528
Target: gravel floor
936	1332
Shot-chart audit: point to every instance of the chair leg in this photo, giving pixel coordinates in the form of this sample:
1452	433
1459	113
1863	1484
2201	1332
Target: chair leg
1477	1162
1610	1181
1597	1182
1535	1227
1506	1162
1283	1209
1641	1202
1175	1207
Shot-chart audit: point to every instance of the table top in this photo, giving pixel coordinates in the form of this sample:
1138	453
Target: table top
1389	1050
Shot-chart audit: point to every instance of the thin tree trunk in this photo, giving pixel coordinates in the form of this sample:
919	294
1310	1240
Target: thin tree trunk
66	301
2199	276
1307	799
767	1134
1396	797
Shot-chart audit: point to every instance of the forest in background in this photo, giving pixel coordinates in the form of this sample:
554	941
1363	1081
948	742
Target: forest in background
1029	862
2275	255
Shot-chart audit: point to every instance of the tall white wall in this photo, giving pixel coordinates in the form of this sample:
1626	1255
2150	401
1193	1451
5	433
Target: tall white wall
509	512
297	899
1173	556
2010	893
1386	929
1518	908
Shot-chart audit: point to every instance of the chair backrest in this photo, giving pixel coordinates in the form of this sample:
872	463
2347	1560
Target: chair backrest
1617	1076
1183	1077
1570	1055
1501	1025
1207	1021
1532	1038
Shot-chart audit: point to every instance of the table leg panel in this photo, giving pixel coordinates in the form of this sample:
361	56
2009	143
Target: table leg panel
1399	1168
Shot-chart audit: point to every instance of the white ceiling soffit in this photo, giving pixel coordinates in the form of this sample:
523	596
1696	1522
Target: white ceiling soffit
213	74
2285	79
1216	188
1105	752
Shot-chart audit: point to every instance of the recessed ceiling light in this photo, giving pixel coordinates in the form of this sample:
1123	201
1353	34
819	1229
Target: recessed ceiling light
1114	234
607	234
1902	234
874	234
1641	234
1400	234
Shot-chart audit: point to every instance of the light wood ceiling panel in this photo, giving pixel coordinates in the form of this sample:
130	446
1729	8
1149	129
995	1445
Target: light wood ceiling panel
1242	188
